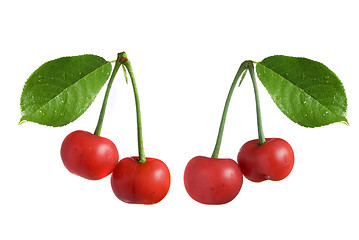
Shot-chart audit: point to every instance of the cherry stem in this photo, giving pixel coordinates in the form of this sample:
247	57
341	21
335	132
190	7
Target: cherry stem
122	57
104	103
261	137
217	147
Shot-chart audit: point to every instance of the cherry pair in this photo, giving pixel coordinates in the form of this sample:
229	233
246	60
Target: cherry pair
218	180
94	157
134	179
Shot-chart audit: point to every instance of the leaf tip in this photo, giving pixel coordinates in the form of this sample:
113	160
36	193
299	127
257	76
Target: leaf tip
22	120
346	122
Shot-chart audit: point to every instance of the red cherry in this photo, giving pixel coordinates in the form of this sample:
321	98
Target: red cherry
212	180
89	156
272	160
143	183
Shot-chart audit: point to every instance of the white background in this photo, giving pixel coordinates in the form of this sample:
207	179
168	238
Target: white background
185	55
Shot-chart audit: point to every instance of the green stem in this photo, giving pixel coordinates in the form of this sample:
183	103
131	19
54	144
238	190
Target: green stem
261	137
124	60
243	67
104	103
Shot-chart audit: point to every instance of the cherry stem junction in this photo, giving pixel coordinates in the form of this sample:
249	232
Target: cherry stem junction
122	58
246	65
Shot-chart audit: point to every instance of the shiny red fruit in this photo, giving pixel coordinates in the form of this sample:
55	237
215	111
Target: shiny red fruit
272	160
143	183
212	180
89	156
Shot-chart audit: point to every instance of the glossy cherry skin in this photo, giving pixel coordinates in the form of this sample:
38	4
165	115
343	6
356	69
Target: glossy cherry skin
272	160
212	180
89	156
141	183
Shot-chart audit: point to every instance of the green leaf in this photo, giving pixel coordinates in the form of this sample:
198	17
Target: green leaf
61	90
306	91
